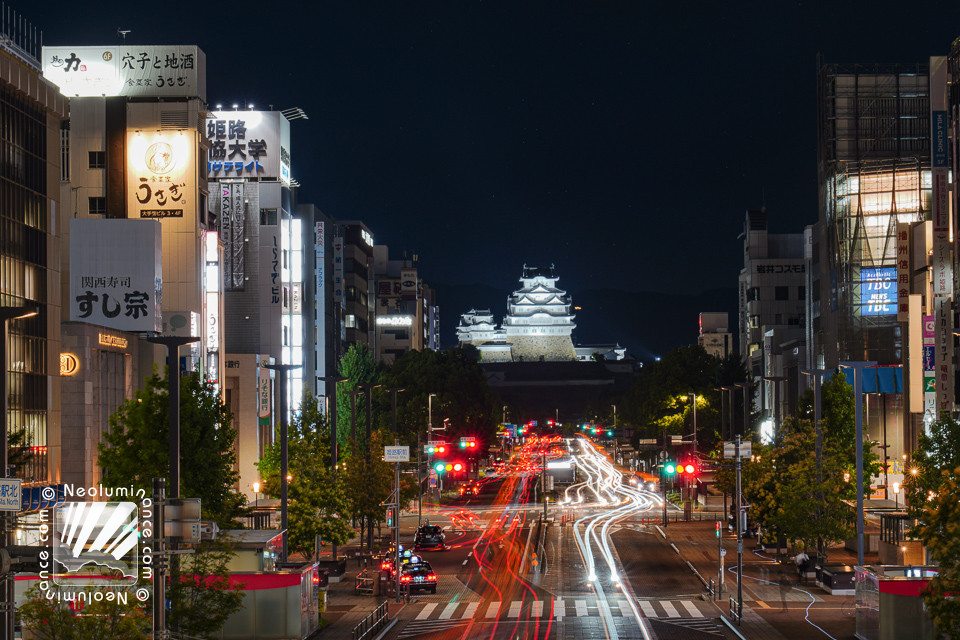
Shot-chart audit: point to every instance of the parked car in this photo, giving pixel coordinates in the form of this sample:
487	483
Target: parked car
429	536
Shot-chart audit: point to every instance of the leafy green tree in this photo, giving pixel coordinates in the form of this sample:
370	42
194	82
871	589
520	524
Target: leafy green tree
136	449
938	451
316	496
359	367
201	595
51	619
369	482
840	434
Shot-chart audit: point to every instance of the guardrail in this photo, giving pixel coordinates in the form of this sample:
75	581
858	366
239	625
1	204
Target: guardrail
372	623
363	584
734	610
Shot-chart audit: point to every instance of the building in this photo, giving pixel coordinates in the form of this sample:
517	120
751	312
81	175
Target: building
30	246
538	325
353	283
407	317
134	211
715	336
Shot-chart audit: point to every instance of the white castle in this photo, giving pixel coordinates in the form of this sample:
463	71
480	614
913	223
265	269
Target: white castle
538	326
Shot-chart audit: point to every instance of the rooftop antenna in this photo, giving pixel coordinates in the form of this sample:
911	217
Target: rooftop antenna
123	33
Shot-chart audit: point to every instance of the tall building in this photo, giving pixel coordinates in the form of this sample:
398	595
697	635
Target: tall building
134	209
30	246
406	313
353	283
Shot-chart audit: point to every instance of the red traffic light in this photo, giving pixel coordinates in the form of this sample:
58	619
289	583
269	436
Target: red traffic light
689	469
457	466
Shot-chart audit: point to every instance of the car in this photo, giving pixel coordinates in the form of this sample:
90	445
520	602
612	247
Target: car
429	536
470	489
419	575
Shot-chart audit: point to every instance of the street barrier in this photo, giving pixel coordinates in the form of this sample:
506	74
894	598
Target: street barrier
372	623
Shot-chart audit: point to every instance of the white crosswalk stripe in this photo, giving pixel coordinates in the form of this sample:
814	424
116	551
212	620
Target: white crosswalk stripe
427	610
557	609
691	608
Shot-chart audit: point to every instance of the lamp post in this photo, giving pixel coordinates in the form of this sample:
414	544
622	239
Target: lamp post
282	371
393	410
746	386
693	397
256	495
896	496
368	389
173	344
7	587
336	380
818	446
430	398
858	368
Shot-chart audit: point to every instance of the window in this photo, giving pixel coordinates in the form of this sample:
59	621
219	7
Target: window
781	293
350	321
65	151
753	293
98	159
268	217
97	206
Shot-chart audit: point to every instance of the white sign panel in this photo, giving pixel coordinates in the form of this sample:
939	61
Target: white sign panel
730	449
396	454
248	144
116	273
161	179
944	355
140	71
10	494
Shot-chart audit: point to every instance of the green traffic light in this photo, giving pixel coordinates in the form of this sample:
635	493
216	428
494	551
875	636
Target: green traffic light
670	469
440	466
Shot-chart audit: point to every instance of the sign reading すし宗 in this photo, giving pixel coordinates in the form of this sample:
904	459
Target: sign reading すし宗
116	273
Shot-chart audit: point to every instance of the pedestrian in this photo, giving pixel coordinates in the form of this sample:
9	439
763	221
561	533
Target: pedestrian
803	562
784	581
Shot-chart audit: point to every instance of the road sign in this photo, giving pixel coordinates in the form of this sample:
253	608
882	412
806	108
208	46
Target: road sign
10	494
730	449
396	454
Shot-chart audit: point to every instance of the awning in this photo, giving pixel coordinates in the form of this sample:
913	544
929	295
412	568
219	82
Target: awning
879	379
43	497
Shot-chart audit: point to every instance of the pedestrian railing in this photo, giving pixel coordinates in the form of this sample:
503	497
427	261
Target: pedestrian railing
372	623
734	610
363	584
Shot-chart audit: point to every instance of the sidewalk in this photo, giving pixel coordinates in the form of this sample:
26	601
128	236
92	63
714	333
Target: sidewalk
764	617
346	607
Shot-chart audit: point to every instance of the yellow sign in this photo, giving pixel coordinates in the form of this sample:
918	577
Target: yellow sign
107	340
69	364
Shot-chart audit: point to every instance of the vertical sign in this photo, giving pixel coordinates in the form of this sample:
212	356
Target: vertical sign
264	400
944	355
903	271
338	263
942	220
929	369
321	299
408	284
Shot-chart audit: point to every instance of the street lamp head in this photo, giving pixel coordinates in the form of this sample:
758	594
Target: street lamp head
256	487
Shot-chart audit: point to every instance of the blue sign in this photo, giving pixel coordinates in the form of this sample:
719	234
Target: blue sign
928	357
878	291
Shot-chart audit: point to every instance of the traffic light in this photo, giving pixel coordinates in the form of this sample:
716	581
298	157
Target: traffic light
439	467
609	434
716	528
669	468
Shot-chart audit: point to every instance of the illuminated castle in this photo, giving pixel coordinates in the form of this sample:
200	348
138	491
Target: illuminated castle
538	326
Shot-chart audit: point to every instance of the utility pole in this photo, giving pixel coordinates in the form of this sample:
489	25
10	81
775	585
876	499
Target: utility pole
777	404
282	371
160	563
817	375
858	368
741	513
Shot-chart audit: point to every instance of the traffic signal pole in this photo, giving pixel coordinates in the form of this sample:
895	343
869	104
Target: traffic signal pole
741	512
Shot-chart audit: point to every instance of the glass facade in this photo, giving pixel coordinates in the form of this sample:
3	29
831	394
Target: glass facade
23	269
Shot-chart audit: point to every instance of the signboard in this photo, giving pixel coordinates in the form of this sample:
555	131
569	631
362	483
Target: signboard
233	230
942	266
944	355
264	396
248	144
396	454
730	449
338	264
878	293
10	494
140	71
903	271
320	297
408	284
161	177
116	273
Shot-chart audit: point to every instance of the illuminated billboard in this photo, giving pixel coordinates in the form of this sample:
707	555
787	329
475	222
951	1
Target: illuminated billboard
161	179
168	71
248	144
878	291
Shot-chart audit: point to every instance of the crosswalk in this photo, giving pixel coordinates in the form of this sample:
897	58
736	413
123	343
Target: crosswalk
558	608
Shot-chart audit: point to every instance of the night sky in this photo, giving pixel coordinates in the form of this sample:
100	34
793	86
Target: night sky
622	141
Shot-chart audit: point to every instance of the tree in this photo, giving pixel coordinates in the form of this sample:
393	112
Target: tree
136	449
938	530
369	482
938	451
316	496
201	594
53	619
359	367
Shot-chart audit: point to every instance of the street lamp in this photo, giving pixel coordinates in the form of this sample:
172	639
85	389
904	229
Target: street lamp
368	388
173	344
896	495
6	588
283	370
336	380
256	495
858	368
746	386
353	393
693	396
430	398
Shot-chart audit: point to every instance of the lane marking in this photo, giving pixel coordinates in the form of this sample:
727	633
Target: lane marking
648	609
625	609
515	609
494	610
581	608
448	610
470	610
538	608
427	610
558	608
